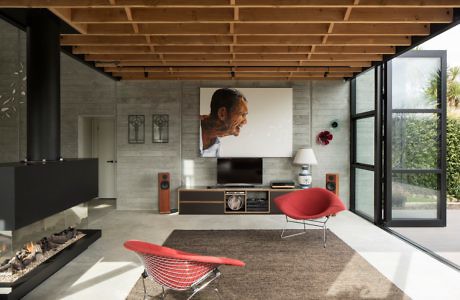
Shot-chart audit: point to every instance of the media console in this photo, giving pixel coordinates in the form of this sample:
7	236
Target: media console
225	200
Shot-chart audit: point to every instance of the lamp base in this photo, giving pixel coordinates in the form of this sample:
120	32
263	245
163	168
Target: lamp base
305	179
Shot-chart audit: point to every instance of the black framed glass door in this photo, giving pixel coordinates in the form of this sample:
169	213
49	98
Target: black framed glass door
415	140
365	151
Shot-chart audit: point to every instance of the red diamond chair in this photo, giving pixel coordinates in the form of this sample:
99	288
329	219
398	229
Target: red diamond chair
312	206
177	270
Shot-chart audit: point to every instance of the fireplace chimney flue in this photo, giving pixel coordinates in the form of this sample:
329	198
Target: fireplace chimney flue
43	87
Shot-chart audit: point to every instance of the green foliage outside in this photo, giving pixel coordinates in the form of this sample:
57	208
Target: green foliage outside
453	157
415	146
453	133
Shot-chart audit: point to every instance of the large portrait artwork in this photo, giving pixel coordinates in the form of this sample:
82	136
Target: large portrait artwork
246	122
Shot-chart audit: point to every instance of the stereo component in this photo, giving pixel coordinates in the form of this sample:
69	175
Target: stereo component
332	183
164	193
235	201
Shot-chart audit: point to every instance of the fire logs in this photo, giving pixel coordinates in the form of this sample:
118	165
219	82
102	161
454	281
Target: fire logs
36	253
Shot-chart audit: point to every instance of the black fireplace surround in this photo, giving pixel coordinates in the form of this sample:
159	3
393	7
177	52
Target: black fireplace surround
45	184
33	191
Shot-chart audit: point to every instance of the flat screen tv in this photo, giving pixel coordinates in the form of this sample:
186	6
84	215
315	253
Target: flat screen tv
239	171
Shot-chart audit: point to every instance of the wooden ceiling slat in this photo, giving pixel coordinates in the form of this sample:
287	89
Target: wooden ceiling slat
235	69
152	15
228	74
360	15
236	49
342	3
274	14
74	39
262	29
317	40
238	57
226	3
109	63
339	29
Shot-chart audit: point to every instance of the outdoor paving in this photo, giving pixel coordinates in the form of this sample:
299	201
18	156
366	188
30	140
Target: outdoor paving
442	240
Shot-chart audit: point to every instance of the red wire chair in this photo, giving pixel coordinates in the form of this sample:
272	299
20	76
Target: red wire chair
177	270
313	206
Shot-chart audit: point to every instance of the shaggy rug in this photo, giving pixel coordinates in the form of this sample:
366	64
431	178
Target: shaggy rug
294	268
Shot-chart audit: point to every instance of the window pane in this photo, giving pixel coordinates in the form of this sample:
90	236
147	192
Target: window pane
415	141
365	91
365	141
415	196
415	82
364	195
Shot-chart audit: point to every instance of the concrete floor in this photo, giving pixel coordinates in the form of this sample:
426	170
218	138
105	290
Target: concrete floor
107	271
444	241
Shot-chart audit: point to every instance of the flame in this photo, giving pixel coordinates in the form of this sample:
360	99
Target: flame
30	246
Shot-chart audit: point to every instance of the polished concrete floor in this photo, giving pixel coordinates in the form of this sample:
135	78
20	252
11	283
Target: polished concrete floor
107	271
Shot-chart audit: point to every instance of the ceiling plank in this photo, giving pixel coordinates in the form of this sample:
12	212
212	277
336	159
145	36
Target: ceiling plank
236	49
225	3
115	63
66	15
235	69
274	15
266	40
239	57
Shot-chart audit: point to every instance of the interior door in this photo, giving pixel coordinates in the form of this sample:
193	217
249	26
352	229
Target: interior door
415	140
105	151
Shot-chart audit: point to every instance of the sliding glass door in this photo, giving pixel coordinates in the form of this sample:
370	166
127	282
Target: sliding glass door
415	137
365	146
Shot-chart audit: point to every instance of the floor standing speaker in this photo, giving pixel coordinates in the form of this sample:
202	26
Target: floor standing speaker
164	193
332	183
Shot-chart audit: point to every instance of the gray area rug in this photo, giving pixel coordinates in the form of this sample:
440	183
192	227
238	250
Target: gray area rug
294	268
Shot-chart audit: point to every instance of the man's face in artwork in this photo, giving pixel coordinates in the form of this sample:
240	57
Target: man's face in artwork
236	118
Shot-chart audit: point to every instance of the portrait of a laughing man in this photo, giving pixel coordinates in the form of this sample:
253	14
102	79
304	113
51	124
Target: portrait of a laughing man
228	115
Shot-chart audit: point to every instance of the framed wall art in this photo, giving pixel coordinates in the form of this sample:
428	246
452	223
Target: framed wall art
160	128
136	129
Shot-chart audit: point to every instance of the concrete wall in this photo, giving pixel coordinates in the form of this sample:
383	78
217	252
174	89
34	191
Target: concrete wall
138	165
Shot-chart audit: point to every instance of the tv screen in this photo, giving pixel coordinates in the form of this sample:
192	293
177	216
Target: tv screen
239	170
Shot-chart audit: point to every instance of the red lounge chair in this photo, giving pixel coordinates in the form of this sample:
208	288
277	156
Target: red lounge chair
311	206
178	270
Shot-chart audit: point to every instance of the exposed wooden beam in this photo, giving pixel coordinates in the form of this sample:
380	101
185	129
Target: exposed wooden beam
225	3
239	57
262	40
266	15
126	63
230	69
236	49
261	28
66	15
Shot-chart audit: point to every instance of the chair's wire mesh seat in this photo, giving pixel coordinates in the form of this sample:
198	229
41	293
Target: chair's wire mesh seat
177	270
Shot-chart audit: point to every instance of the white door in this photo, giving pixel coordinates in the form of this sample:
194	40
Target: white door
104	150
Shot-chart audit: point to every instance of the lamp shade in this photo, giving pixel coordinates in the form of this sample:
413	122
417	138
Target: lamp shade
305	156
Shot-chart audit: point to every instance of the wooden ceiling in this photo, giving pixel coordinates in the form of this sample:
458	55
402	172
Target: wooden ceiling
241	39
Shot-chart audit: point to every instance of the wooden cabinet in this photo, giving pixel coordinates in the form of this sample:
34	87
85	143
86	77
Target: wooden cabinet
214	201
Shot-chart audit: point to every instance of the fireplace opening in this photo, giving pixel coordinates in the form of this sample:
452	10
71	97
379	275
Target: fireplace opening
32	254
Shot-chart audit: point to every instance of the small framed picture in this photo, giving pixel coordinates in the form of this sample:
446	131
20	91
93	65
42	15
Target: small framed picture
136	129
160	128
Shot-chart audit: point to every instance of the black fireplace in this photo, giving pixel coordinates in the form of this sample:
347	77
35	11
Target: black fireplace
44	187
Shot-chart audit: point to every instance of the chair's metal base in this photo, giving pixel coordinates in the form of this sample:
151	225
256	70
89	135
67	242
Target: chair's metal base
318	223
198	286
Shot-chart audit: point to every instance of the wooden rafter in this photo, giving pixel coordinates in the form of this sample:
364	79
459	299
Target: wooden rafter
241	39
226	3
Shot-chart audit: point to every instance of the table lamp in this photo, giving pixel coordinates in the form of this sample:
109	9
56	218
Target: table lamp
305	157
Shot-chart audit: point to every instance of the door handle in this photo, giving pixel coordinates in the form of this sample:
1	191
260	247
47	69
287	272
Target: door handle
112	161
